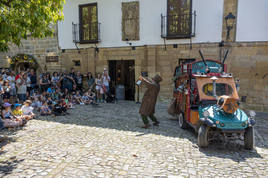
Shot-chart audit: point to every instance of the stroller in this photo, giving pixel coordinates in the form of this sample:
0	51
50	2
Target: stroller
110	96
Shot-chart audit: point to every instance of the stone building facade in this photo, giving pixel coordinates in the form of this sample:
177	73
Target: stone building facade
40	49
247	60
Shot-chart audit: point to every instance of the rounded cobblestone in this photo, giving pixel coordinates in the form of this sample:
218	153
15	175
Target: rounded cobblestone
107	141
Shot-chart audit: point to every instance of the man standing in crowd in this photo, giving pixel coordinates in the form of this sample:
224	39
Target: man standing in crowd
90	80
33	80
22	87
67	82
72	73
79	81
149	100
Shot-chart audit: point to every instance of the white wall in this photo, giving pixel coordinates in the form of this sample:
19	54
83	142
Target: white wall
208	22
252	20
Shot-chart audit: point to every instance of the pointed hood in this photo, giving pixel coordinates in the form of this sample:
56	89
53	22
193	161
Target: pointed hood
157	78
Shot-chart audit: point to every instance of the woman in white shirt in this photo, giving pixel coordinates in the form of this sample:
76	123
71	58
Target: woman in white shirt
22	87
12	83
99	89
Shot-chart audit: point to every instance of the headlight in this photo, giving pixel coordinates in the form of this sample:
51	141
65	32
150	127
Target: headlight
244	124
206	114
252	113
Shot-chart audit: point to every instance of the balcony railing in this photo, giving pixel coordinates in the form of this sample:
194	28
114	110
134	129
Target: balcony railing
178	26
91	35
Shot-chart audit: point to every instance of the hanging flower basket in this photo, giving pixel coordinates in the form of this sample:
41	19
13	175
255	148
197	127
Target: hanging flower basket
23	58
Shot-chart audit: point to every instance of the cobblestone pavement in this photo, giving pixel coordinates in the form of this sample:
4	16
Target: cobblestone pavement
107	141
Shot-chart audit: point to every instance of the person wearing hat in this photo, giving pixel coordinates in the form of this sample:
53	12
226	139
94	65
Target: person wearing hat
149	100
17	112
9	119
27	110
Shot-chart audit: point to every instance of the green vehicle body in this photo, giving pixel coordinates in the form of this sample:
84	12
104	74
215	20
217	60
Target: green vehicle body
235	122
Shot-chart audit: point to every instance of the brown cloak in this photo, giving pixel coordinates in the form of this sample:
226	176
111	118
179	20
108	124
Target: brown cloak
150	96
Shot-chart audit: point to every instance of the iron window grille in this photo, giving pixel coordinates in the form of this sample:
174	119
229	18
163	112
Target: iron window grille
178	26
77	33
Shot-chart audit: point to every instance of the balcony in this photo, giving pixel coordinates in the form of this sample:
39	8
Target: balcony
178	26
88	35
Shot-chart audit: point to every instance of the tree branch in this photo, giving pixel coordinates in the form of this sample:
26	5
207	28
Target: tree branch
6	3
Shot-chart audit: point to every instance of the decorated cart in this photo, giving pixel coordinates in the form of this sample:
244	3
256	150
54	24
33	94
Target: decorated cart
206	99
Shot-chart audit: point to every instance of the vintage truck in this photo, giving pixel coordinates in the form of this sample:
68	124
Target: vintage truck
206	99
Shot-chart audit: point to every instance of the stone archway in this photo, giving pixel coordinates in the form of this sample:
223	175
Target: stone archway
22	62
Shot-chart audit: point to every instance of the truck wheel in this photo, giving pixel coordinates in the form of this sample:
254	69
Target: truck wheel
249	138
182	121
202	139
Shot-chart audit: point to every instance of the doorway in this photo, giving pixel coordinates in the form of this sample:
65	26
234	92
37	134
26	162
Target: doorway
122	73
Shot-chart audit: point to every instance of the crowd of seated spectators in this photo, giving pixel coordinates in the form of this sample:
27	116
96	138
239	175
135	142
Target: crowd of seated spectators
25	95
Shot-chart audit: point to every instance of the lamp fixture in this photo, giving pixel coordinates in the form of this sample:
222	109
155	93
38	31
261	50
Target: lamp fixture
229	20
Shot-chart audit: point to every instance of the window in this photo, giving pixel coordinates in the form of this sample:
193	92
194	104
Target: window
179	18
130	21
88	28
178	72
77	62
221	89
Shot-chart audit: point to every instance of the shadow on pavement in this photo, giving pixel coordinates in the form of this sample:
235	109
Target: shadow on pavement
6	167
124	117
262	130
230	150
6	137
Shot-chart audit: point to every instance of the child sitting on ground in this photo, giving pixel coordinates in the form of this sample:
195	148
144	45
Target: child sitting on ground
50	102
56	95
60	108
78	98
9	120
92	96
17	112
45	111
50	90
37	103
85	98
44	96
27	110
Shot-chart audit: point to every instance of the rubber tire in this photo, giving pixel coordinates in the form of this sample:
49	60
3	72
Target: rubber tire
249	138
182	122
202	139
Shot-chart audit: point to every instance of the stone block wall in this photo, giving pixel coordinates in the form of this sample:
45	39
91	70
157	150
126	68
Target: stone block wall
39	49
247	61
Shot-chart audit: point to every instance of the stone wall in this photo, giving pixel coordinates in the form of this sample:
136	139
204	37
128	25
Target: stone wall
247	61
38	48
